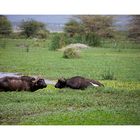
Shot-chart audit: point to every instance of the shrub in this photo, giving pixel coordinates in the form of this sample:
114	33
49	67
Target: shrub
71	53
31	27
90	39
5	26
58	41
108	75
55	42
17	35
41	34
38	43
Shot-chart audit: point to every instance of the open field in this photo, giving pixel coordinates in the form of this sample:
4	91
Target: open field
117	103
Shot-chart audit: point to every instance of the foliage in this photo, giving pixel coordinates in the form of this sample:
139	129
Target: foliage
58	40
72	28
100	25
90	29
134	28
90	39
55	42
42	34
5	26
71	53
17	35
31	28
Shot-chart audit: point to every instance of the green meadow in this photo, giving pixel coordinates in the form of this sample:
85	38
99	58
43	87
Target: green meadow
117	103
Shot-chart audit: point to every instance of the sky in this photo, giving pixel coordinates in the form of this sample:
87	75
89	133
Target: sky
56	22
42	18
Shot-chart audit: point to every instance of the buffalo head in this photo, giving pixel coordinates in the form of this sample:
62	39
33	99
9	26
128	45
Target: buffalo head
38	84
61	83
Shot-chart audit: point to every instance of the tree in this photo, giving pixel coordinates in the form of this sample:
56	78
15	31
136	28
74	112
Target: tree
5	26
31	28
100	25
90	29
134	28
86	24
72	27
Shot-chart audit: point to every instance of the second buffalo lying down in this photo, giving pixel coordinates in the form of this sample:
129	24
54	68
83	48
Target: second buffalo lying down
23	83
77	82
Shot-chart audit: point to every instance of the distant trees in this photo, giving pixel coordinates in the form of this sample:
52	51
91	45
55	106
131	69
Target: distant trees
5	26
33	29
72	27
134	28
99	25
90	29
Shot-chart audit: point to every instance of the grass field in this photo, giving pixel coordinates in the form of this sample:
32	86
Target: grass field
117	103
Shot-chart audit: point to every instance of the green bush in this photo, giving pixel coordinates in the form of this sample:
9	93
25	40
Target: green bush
55	44
17	35
30	28
90	39
71	53
58	41
41	34
38	43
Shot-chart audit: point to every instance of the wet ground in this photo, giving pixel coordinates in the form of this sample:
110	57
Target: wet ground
3	74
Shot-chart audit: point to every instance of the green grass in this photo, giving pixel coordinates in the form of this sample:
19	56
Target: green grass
70	107
93	62
117	103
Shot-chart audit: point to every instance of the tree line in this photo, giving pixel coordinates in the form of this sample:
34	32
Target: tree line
84	28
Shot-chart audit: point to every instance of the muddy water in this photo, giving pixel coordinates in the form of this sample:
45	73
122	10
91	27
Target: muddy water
3	74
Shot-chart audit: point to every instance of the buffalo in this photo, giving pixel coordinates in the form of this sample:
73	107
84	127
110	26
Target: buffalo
23	83
77	82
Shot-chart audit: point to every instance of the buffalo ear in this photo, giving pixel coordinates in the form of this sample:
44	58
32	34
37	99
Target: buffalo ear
62	79
35	80
32	79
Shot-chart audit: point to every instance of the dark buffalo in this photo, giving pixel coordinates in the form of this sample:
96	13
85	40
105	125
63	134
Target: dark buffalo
77	82
23	83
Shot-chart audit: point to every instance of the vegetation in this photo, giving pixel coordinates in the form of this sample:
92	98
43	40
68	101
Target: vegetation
71	53
115	63
90	29
116	103
58	40
70	107
99	25
108	75
72	28
33	29
5	26
134	28
55	42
